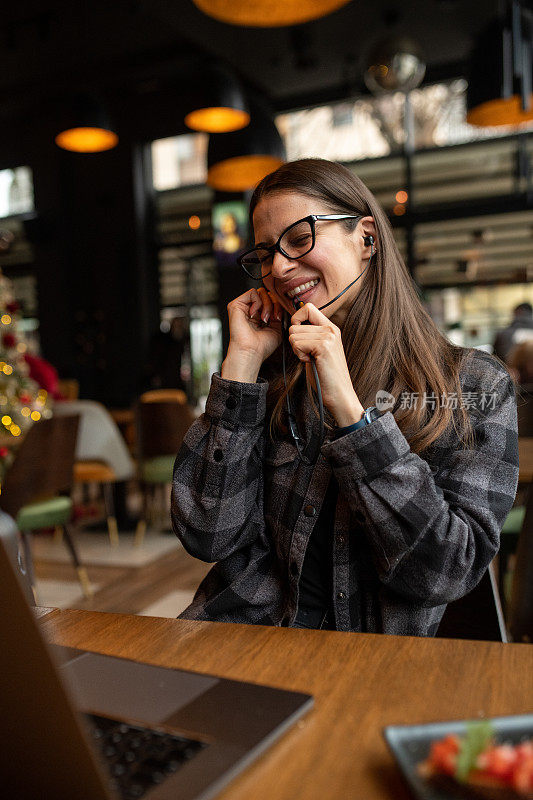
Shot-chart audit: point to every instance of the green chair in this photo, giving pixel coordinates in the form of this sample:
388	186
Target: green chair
163	418
37	487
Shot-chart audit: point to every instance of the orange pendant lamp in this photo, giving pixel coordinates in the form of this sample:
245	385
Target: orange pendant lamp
236	162
84	126
268	13
219	101
500	84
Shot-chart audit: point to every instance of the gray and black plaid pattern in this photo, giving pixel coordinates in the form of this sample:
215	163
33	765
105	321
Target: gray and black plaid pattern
411	533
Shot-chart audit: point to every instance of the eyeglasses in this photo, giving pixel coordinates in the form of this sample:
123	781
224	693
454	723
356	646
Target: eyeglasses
295	242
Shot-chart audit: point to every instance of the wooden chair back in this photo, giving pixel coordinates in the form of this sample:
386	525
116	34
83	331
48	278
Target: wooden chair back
161	427
43	464
524	408
477	615
164	396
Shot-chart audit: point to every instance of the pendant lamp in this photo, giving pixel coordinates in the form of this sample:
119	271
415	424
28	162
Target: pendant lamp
268	13
499	89
219	101
394	64
84	126
237	161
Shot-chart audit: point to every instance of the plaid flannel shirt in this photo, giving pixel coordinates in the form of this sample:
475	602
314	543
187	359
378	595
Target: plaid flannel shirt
411	532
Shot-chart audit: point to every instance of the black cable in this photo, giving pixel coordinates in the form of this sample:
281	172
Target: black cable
308	453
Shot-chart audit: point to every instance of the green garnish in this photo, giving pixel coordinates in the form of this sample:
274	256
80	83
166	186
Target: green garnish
478	735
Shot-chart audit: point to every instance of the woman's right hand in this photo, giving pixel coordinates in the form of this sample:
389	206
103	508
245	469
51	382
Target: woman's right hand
255	332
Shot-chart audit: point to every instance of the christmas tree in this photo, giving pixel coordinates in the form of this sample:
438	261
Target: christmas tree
22	402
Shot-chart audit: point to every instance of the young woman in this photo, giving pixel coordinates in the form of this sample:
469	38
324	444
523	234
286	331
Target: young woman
394	514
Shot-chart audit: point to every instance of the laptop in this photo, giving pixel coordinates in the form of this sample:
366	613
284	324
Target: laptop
75	724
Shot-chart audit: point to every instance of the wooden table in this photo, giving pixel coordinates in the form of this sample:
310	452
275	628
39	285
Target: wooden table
361	682
525	453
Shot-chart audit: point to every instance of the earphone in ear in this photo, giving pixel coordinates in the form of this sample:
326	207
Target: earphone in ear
368	240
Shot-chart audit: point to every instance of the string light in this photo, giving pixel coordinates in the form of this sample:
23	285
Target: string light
398	210
25	411
15	430
5	319
7	369
401	196
194	222
6	420
36	416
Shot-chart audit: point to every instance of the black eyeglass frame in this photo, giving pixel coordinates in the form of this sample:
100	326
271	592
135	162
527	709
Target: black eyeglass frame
276	248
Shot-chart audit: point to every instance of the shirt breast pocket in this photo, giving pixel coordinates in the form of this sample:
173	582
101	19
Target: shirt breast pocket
280	476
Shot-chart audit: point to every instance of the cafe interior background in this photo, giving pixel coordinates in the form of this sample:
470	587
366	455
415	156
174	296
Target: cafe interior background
100	251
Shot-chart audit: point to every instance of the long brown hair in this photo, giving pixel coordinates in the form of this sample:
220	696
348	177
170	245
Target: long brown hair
390	341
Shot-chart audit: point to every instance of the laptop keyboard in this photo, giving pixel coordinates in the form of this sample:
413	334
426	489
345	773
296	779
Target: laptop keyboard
139	758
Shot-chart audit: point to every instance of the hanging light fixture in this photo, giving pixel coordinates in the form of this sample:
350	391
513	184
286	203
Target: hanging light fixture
220	104
237	161
499	89
85	126
394	64
268	13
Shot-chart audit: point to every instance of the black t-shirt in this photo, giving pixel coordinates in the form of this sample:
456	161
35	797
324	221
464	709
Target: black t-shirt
316	578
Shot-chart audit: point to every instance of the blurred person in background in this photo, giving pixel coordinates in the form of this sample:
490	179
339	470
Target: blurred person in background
520	362
520	330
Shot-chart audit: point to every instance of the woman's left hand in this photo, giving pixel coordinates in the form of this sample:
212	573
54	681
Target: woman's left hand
321	340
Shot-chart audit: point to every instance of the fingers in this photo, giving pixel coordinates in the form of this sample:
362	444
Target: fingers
265	306
259	305
255	303
310	313
277	312
314	341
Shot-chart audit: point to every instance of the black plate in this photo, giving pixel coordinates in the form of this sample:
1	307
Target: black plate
410	745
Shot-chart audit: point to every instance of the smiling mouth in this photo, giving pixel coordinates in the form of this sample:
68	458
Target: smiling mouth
304	287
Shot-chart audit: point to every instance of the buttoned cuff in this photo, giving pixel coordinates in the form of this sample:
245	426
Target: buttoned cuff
235	403
369	450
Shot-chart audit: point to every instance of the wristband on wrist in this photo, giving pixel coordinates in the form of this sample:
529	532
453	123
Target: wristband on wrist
369	415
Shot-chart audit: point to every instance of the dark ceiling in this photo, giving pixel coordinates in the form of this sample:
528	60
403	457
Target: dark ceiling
134	46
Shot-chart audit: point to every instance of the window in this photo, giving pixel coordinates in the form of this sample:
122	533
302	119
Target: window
179	161
16	191
374	126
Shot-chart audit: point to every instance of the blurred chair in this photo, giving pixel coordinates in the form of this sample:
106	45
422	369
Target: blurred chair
524	408
68	388
9	537
521	603
163	419
514	521
101	454
477	615
37	485
508	543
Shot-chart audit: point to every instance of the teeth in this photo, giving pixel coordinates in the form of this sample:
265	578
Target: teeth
302	288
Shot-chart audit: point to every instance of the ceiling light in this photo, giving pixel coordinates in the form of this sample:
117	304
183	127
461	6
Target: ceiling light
219	101
268	13
499	89
84	126
237	161
394	64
